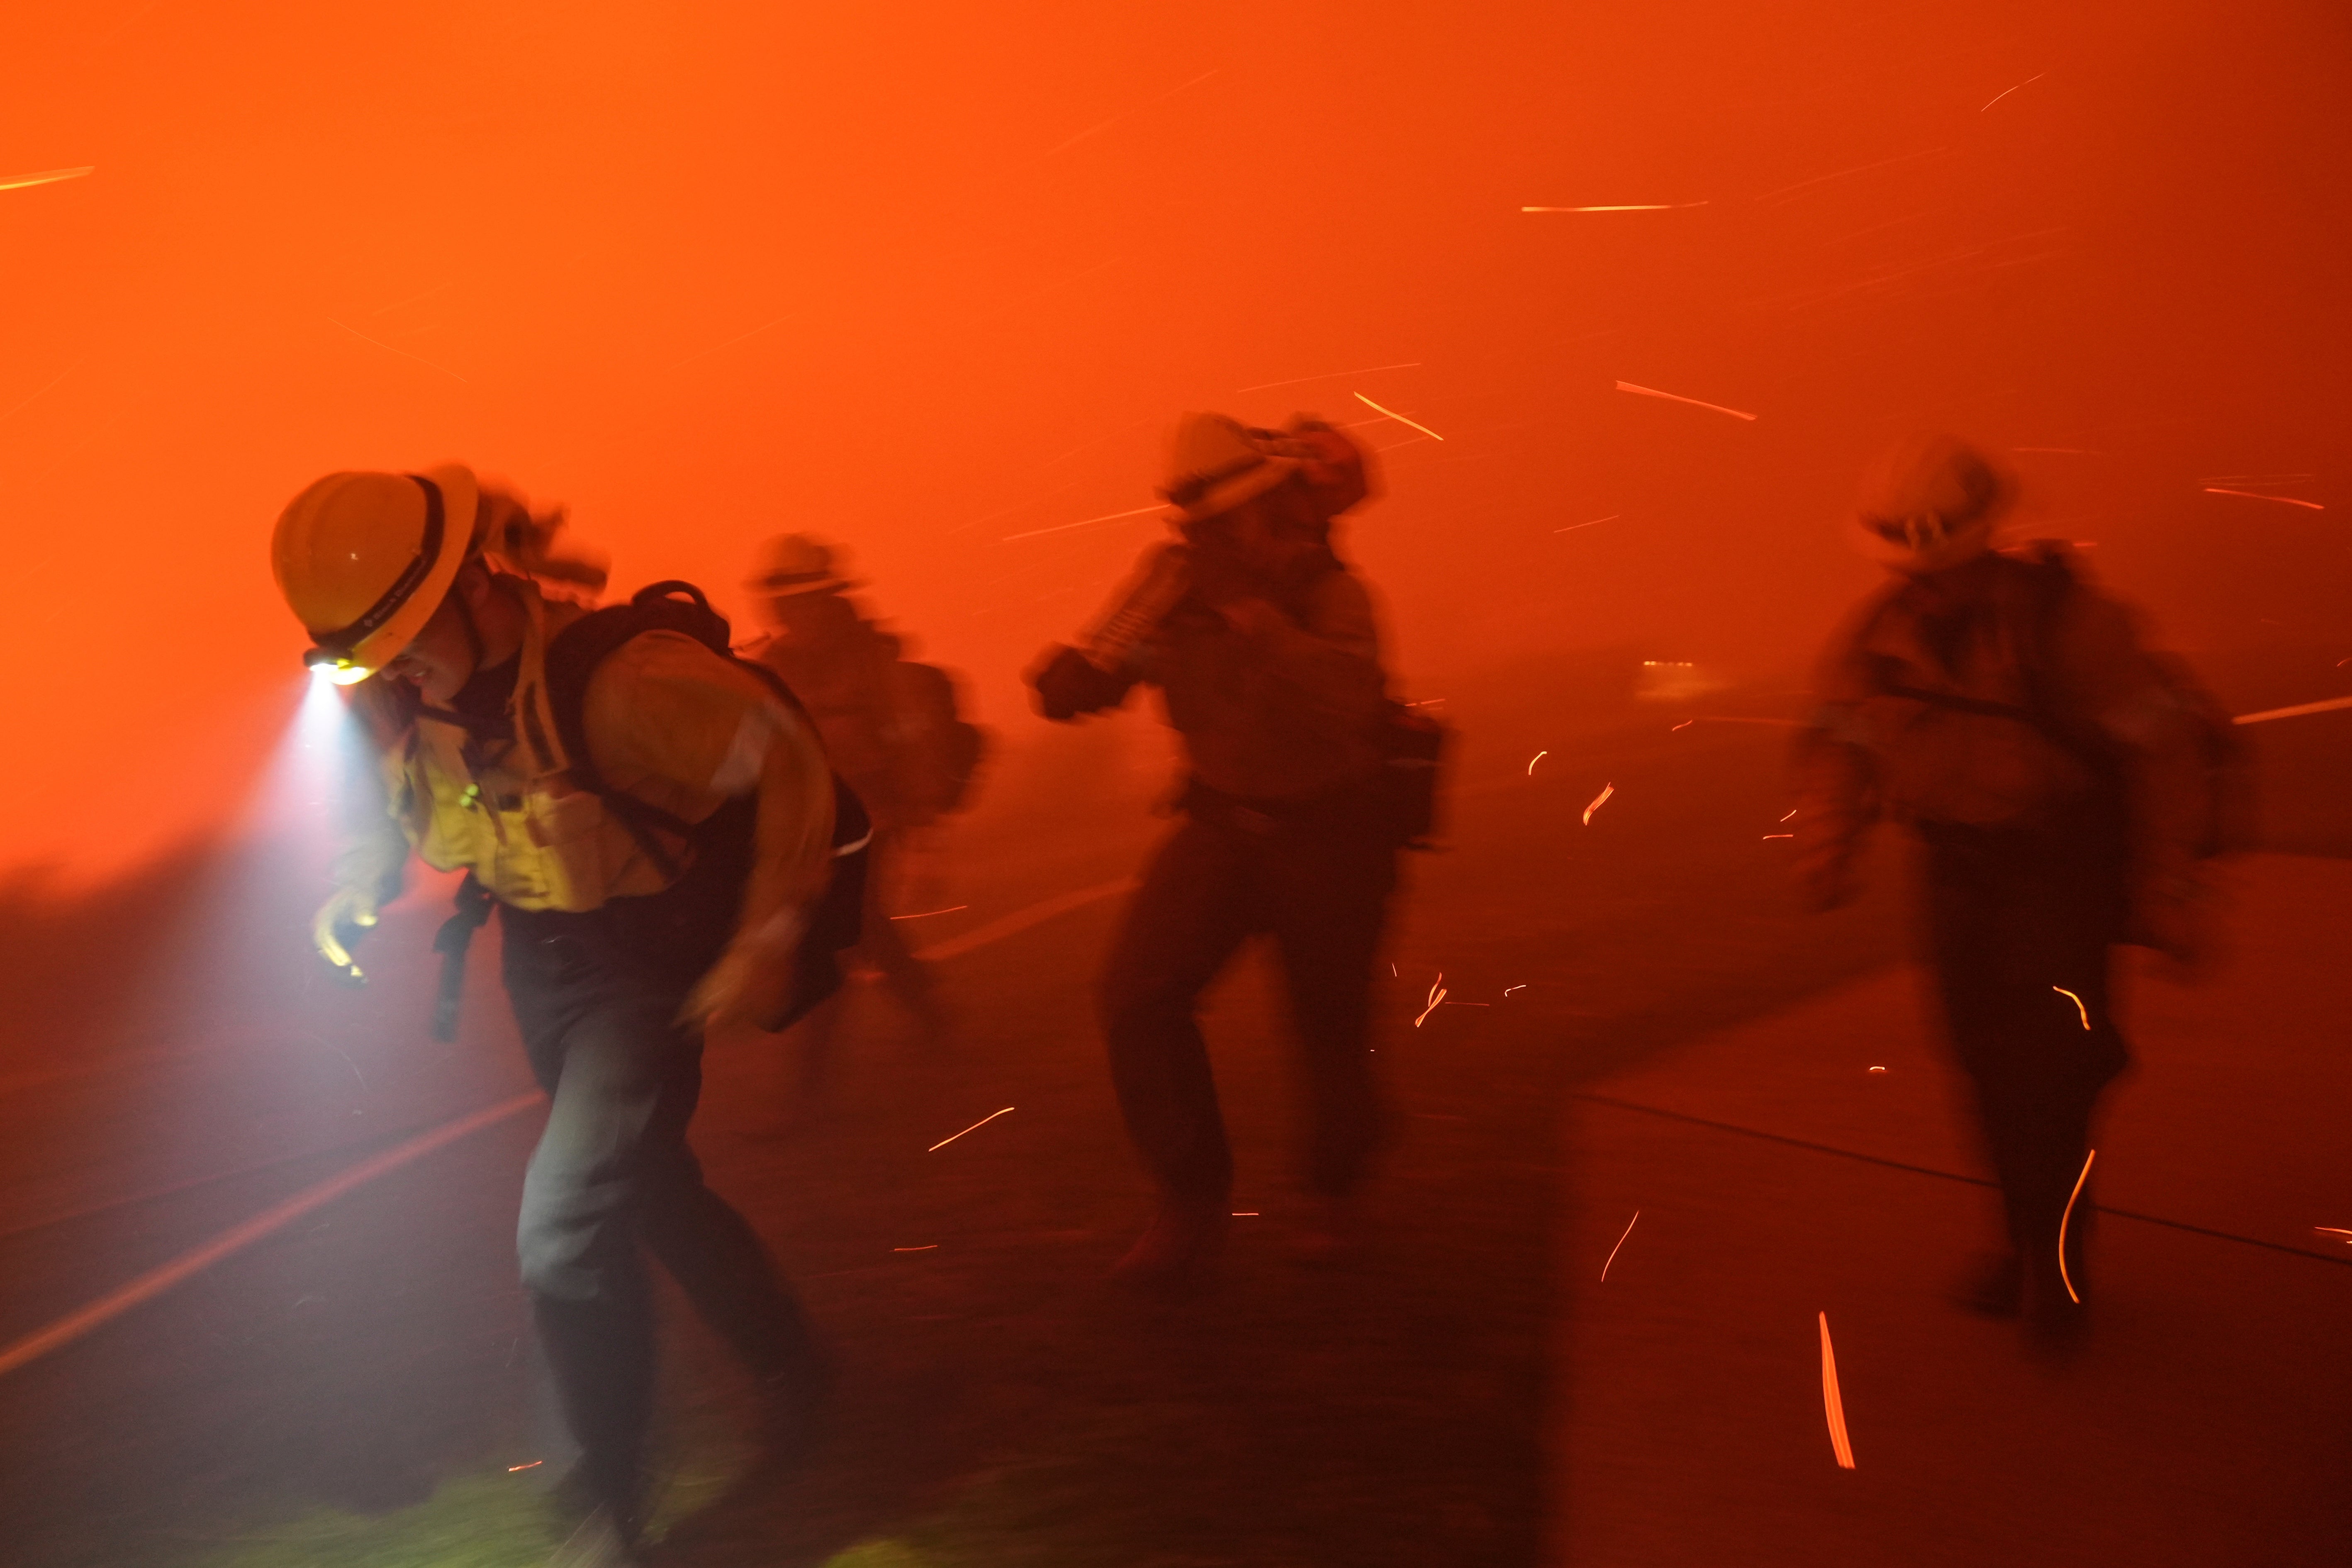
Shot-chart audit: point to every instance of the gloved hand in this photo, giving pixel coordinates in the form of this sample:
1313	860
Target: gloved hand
350	910
751	982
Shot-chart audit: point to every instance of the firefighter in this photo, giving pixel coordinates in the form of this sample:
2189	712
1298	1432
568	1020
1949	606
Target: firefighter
1264	647
2051	768
892	729
620	941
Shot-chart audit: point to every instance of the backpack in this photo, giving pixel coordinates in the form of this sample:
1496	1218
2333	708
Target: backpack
941	754
2225	763
723	840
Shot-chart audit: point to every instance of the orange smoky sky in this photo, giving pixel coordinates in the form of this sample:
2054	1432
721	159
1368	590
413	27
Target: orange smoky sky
919	278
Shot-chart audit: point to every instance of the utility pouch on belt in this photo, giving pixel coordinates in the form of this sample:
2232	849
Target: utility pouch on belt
456	935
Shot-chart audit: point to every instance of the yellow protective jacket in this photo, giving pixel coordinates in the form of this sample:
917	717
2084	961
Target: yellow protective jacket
669	721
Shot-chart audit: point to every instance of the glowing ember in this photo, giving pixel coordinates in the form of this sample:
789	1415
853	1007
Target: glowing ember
1540	756
1598	802
2250	495
1620	1242
2062	1225
1833	1406
46	177
1671	398
973	1128
2070	997
2004	92
1399	418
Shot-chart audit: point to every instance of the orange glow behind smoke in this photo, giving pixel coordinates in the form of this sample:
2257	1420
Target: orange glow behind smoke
933	280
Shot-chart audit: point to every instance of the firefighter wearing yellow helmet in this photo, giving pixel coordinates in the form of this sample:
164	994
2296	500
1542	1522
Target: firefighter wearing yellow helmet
655	845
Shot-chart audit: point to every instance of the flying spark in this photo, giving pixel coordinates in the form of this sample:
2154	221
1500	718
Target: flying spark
1084	523
973	1128
1335	375
1671	398
1398	417
1620	1242
2335	1230
2252	495
1792	811
1522	985
1437	994
2069	1214
45	177
1771	836
1245	1213
532	1465
1997	96
1598	802
1683	725
931	1247
926	915
1628	208
2297	711
1540	756
1831	1404
2070	997
1878	1070
1596	523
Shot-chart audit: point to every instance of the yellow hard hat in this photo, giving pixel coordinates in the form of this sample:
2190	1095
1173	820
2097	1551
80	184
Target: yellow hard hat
363	560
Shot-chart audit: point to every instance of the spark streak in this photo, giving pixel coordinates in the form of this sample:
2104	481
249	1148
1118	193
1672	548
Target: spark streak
532	1465
932	1247
2070	997
1628	208
973	1128
1598	802
2334	1230
1672	397
1620	1242
2254	495
1398	417
1335	375
1437	994
1833	1406
1780	836
1086	523
1596	523
1997	96
45	177
1540	756
929	913
404	354
2297	711
2062	1219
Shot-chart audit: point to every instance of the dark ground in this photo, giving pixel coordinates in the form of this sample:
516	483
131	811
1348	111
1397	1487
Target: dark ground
352	1390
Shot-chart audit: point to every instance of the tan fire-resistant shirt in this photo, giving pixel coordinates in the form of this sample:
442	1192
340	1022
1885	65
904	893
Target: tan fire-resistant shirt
1870	752
1284	713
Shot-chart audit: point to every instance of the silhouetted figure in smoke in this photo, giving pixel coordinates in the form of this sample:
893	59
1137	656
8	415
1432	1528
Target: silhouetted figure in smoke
2061	780
892	729
656	827
1264	647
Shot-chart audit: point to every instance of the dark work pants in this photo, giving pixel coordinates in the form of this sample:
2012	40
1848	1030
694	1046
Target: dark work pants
2012	917
613	1174
1320	886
